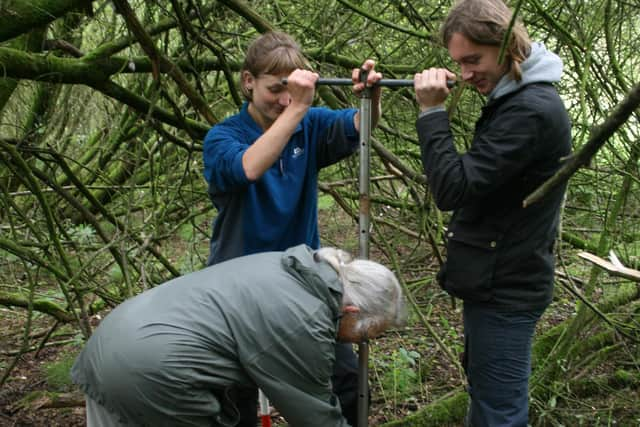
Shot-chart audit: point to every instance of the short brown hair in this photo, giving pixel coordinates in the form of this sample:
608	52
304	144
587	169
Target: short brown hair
273	52
486	22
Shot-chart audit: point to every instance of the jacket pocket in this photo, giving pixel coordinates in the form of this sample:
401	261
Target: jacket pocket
471	260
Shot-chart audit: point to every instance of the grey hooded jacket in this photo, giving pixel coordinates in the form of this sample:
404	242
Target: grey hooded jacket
267	320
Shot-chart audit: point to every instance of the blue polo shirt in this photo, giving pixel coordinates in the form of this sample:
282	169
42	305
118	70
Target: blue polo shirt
280	209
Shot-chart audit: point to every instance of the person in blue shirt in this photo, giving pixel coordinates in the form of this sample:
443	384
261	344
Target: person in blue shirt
262	165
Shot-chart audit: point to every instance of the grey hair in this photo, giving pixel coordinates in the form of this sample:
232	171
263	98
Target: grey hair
371	287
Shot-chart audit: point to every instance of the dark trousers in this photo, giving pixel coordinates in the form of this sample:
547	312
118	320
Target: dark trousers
497	362
345	381
345	386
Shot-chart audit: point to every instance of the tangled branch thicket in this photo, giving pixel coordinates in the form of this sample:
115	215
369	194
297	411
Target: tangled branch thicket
103	107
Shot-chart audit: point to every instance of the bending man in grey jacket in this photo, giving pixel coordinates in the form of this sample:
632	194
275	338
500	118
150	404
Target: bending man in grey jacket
181	354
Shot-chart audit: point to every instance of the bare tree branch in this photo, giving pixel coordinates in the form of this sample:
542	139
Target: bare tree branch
19	17
158	58
599	136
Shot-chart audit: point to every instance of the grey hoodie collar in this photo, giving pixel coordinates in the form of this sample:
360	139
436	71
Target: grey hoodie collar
541	66
317	277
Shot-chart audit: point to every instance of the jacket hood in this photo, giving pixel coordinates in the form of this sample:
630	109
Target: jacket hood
317	277
541	66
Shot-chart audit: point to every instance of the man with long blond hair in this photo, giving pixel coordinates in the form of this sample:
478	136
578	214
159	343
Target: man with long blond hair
500	259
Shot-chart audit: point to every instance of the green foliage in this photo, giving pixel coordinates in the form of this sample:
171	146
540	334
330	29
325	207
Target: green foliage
7	256
115	274
325	202
58	372
451	331
82	233
449	411
402	378
188	263
187	232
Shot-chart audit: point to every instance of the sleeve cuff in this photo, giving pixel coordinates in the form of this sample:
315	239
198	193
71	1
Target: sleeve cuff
431	110
238	170
349	125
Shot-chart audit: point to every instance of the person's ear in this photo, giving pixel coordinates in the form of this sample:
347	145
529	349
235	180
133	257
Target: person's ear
350	309
247	80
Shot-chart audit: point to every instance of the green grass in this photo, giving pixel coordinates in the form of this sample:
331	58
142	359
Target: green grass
57	373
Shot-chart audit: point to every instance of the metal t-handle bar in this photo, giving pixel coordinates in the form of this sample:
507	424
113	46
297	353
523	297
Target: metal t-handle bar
382	82
363	228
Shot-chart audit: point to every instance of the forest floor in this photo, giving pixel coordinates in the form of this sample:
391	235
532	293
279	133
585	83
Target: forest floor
408	370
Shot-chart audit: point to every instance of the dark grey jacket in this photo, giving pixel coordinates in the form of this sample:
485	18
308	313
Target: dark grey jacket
499	253
267	320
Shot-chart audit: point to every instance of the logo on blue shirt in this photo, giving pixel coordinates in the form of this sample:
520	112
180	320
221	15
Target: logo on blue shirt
297	152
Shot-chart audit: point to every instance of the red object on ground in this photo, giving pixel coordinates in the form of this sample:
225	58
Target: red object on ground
265	409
